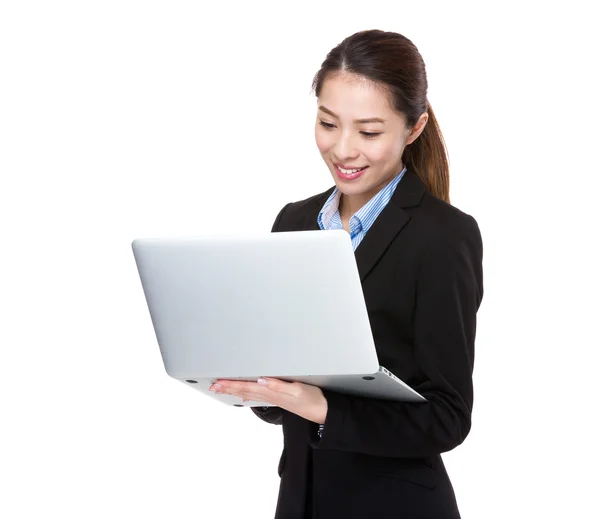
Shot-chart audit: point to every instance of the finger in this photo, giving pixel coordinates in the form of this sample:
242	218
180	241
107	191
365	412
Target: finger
263	386
246	397
237	385
255	392
281	386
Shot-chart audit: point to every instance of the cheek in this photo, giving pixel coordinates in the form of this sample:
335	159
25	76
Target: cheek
324	141
383	153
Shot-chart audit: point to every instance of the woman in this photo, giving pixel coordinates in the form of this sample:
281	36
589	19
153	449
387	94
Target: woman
420	261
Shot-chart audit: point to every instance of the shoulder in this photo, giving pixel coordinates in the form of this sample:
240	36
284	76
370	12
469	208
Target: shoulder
445	222
308	204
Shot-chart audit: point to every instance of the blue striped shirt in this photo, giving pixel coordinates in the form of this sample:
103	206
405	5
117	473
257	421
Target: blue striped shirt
360	222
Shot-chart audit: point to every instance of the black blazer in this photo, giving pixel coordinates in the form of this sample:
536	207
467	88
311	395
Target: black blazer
421	270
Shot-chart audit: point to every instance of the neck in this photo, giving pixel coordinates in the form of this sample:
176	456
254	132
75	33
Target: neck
350	204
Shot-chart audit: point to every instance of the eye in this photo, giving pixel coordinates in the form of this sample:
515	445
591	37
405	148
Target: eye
327	126
366	135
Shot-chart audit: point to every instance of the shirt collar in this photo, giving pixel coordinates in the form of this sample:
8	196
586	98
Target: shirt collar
367	214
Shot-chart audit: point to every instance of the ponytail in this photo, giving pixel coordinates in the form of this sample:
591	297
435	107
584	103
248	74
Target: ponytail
427	158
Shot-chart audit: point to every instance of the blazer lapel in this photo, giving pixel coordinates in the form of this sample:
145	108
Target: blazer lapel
389	223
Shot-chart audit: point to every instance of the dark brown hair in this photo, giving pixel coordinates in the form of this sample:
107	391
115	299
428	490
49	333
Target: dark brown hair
391	60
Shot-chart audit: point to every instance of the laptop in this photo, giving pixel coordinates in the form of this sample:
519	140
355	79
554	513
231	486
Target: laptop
287	305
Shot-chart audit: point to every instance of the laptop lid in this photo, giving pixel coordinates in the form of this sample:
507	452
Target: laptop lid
273	304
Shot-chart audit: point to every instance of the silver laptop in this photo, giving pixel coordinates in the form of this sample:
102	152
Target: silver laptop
287	305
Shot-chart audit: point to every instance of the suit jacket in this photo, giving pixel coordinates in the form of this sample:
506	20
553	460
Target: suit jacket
420	266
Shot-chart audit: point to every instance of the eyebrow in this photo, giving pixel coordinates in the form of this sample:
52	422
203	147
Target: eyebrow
359	121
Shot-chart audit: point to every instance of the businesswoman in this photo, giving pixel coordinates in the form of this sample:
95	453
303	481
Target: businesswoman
420	263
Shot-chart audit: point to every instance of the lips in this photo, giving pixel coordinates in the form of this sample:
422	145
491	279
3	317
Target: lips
349	168
354	172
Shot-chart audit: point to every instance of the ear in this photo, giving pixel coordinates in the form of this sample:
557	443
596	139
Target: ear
417	128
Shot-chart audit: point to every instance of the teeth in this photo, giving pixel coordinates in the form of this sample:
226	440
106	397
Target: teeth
349	171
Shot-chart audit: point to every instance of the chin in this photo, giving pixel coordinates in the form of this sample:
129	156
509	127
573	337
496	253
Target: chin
351	190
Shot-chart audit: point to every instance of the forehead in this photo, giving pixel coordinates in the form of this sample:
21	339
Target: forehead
355	97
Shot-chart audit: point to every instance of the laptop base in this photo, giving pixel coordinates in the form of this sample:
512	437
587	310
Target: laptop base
382	385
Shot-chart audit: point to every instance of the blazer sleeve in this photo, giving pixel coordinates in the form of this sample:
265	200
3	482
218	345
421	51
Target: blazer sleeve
271	414
449	292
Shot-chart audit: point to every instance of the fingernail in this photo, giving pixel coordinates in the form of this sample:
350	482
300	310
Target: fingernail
262	381
217	386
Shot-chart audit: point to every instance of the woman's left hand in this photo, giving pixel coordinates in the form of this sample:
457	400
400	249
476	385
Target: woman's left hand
302	399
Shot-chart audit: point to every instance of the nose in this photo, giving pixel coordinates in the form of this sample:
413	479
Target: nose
345	149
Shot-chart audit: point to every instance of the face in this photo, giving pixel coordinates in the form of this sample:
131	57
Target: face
360	137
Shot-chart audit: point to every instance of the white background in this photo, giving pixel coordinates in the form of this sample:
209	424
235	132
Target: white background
122	119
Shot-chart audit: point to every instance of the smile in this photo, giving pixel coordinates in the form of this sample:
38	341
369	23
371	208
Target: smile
349	174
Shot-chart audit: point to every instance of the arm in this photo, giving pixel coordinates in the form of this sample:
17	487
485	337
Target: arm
449	292
272	415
